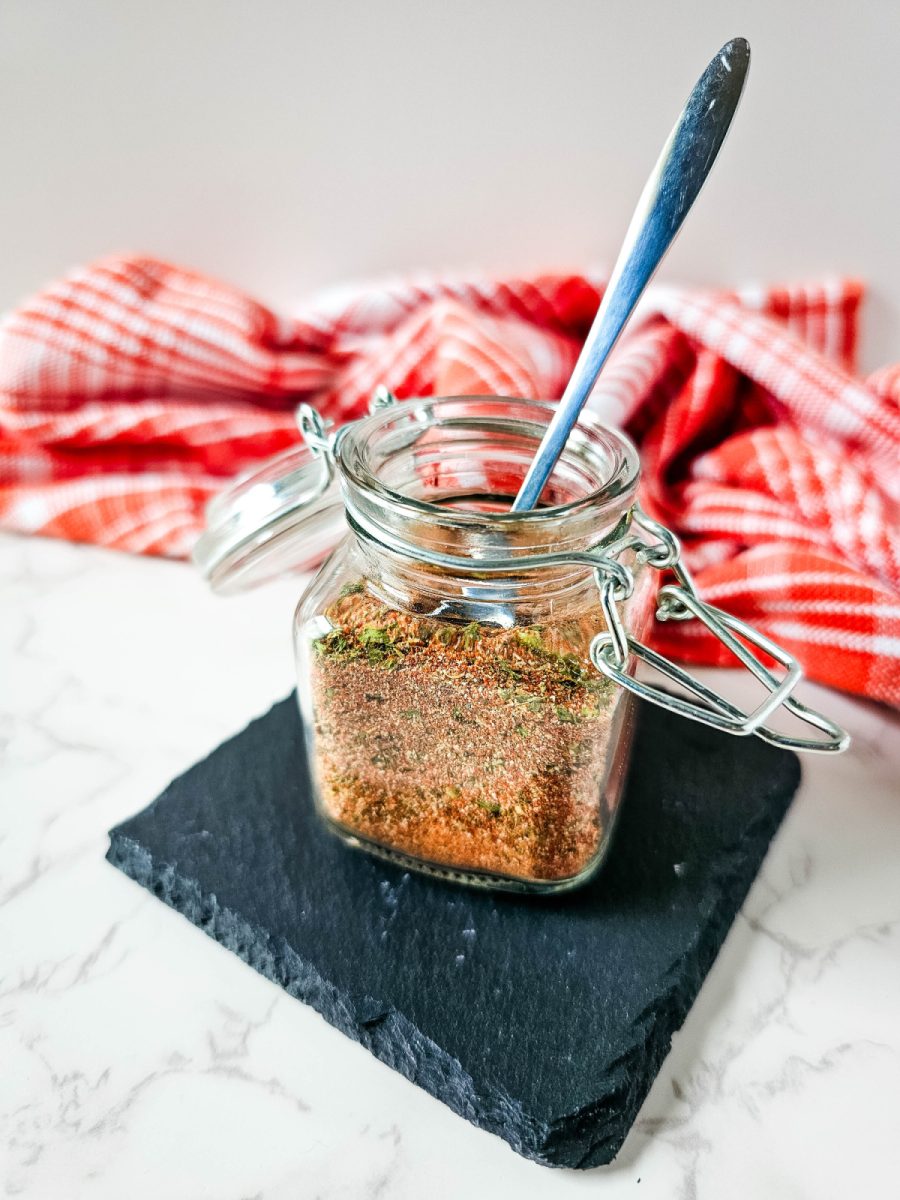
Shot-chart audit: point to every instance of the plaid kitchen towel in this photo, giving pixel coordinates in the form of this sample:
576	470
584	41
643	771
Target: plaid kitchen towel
132	390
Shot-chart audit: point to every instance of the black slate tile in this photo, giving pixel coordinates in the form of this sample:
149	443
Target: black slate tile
542	1020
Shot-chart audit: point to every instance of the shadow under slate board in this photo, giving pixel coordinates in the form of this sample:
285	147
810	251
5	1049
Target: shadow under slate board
544	1021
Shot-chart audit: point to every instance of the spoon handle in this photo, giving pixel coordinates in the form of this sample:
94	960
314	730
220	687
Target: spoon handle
668	194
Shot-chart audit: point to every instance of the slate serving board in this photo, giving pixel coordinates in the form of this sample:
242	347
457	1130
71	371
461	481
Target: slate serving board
544	1021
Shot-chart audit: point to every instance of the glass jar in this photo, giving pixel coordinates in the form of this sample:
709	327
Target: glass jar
466	674
455	720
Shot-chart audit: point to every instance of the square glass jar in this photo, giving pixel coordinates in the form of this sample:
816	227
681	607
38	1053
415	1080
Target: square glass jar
455	720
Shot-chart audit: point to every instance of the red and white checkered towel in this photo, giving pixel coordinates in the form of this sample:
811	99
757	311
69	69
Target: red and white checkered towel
132	390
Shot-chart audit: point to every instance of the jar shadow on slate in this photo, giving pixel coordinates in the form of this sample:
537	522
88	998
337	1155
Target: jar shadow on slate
466	674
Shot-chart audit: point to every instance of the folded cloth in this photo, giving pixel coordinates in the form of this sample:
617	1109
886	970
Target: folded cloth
130	392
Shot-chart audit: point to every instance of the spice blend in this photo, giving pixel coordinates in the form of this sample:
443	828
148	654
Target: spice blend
467	746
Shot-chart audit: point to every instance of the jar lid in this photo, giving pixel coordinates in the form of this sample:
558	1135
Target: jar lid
254	526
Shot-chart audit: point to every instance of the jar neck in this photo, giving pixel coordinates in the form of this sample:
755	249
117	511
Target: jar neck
428	488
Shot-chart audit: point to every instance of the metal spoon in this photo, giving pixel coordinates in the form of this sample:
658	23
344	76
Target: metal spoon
672	188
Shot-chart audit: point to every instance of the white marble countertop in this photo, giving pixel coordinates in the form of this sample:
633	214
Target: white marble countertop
139	1059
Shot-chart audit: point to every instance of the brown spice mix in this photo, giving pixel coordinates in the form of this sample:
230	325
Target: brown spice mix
463	745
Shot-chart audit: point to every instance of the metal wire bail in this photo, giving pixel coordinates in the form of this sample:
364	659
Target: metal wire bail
321	439
315	433
615	654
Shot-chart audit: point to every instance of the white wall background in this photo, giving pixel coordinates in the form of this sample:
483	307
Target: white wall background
284	145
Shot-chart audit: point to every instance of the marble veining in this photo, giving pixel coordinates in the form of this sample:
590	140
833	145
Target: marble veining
140	1059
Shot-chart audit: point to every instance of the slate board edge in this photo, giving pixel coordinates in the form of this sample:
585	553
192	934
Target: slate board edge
587	1137
381	1035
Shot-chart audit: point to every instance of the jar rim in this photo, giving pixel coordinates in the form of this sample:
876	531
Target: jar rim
253	526
355	448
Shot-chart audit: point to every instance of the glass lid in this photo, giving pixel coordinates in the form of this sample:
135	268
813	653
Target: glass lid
254	527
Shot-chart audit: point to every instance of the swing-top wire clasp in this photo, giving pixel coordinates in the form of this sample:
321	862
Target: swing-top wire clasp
321	438
615	654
